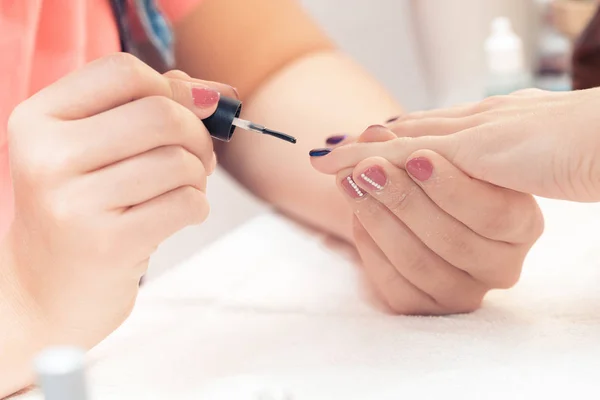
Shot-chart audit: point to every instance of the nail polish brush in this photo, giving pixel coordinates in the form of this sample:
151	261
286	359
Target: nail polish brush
226	118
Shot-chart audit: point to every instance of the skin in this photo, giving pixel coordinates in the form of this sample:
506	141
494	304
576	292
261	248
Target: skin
77	248
533	141
438	246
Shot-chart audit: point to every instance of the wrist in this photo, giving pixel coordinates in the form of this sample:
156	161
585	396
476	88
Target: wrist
22	330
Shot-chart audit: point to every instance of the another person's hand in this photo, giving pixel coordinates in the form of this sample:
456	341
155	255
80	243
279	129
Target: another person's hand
107	163
533	141
432	239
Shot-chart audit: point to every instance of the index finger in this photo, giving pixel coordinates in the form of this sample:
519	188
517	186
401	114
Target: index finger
396	151
105	84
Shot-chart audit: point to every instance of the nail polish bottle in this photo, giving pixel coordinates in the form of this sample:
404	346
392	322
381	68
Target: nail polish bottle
505	60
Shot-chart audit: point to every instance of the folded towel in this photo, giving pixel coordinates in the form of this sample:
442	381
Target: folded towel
273	311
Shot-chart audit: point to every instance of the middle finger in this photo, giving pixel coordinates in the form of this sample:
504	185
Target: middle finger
439	231
136	128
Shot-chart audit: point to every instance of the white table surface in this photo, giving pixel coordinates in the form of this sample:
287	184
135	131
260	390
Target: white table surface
272	308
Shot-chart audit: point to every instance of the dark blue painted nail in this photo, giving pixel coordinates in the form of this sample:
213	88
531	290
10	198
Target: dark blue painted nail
319	152
333	140
393	119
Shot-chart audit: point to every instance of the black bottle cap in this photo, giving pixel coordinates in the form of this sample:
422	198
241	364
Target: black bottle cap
220	124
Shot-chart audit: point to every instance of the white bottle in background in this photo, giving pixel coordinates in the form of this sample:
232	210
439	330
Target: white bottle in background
505	60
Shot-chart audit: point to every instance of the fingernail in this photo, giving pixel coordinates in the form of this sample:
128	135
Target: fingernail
319	152
333	140
375	177
352	188
237	94
393	119
420	168
376	127
205	97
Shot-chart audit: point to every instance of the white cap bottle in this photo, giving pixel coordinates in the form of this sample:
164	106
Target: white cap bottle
61	373
505	59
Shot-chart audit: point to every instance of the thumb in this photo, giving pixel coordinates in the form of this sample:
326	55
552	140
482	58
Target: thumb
397	151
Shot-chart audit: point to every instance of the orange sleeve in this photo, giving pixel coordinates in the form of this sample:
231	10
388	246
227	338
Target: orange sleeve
177	9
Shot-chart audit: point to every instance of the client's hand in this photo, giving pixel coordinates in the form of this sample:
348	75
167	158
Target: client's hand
532	141
432	239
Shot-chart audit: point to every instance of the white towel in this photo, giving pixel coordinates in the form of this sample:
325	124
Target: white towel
272	312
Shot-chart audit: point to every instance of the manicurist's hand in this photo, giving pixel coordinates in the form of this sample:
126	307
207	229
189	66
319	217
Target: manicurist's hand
432	239
107	163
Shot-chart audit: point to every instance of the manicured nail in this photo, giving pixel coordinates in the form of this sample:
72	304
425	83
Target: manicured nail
352	188
420	168
205	97
333	140
375	177
393	119
319	152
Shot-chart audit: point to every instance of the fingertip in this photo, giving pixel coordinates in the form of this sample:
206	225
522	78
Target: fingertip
422	165
376	133
319	159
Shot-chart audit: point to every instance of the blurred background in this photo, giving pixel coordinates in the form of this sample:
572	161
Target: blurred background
428	53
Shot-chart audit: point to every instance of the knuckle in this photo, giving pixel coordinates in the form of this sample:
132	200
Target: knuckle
126	64
461	299
61	160
129	70
178	156
419	266
62	210
195	204
39	165
17	120
495	224
166	112
457	243
492	102
397	198
537	224
185	165
528	92
509	278
370	208
505	275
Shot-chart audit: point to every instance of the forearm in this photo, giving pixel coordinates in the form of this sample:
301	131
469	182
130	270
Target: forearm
318	95
292	80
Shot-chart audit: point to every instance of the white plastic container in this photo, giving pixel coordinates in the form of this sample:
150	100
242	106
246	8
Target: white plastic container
505	59
451	37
